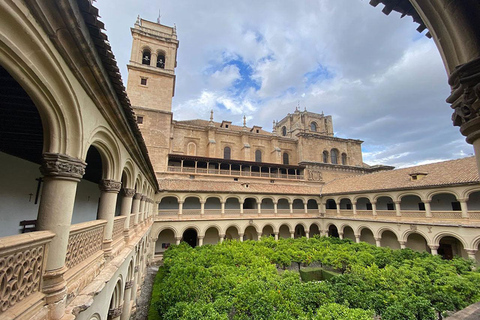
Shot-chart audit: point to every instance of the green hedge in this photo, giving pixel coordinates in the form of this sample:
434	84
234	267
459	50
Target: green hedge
239	280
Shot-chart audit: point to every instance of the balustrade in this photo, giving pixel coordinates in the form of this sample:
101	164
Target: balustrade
118	226
85	239
245	173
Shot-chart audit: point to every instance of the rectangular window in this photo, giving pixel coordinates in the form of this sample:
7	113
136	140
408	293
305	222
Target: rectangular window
456	206
390	206
421	206
140	119
143	81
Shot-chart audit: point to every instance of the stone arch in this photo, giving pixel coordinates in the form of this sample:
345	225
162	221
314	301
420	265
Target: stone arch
467	192
266	230
436	239
211	234
345	203
450	245
325	156
116	299
444	201
250	232
189	226
213	202
192	204
161	59
348	232
283	203
388	238
229	232
332	230
146	55
267	203
433	193
298	203
284	230
407	201
232	202
314	229
129	171
103	140
165	238
366	234
384	202
334	155
313	126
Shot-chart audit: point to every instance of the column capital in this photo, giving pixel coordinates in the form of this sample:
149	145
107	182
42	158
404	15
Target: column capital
108	185
128	284
401	242
128	193
115	313
61	165
199	237
137	196
433	246
462	200
465	98
426	201
240	235
397	201
471	251
143	198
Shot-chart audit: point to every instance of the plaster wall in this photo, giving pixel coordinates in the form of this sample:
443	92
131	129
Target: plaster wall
86	202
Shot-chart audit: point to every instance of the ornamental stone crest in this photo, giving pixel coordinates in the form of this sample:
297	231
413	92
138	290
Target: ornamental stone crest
314	173
55	164
129	193
465	98
110	185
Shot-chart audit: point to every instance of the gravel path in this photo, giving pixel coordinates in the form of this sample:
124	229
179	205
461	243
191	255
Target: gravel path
143	301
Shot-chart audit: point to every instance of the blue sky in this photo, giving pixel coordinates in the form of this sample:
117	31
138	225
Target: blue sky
382	81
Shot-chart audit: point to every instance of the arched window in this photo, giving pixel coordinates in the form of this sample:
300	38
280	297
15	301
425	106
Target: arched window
284	131
334	156
192	149
313	126
161	61
146	57
285	158
344	159
258	156
325	156
227	153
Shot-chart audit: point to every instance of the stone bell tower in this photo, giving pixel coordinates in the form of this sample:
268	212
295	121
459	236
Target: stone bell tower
151	85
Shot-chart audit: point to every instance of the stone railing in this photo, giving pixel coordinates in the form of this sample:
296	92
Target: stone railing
474	215
132	221
22	262
85	239
210	214
244	173
118	226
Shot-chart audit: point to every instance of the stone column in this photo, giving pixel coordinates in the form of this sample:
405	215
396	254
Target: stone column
126	207
291	207
177	240
374	208
142	207
323	233
307	234
222	203
136	206
403	244
222	237
433	249
428	210
292	234
464	206
61	174
180	208
127	297
200	240
305	207
377	242
276	235
275	207
135	284
106	210
241	208
398	213
354	208
259	235
259	207
323	208
340	235
202	207
471	253
240	236
357	238
337	205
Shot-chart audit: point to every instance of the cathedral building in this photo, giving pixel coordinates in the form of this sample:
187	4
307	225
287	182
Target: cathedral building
97	181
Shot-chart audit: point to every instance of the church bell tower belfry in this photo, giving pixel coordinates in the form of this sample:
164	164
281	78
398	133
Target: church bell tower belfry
151	85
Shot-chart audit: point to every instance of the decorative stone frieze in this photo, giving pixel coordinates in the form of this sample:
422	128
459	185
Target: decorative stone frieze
60	165
314	173
137	196
465	98
110	185
114	313
129	193
143	198
128	284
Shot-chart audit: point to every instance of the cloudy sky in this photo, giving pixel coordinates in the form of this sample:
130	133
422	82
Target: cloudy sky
381	80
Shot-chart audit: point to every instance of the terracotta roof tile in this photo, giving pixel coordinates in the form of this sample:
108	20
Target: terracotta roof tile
460	171
205	123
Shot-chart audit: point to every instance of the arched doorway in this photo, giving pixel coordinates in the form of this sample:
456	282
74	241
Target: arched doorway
190	236
299	231
450	247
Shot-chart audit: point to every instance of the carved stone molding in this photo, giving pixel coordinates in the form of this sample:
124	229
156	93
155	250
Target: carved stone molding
136	269
110	185
465	98
143	198
137	196
60	165
314	173
114	313
128	284
129	193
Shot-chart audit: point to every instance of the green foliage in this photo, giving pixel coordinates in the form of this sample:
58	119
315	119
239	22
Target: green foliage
240	280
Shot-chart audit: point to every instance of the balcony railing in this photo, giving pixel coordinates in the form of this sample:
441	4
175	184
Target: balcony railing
85	240
22	263
118	227
244	173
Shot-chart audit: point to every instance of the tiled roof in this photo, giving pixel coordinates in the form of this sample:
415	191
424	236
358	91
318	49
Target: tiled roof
205	123
179	185
453	172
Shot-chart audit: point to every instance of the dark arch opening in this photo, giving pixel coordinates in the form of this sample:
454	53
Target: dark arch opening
285	158
146	57
161	61
333	231
190	236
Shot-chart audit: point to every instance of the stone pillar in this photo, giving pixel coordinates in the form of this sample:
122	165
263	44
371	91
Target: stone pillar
428	210
323	233
202	207
374	208
464	206
292	234
259	235
177	240
142	208
357	238
241	208
323	208
222	237
340	235
240	236
398	213
106	210
276	235
136	206
402	244
471	253
275	207
305	207
433	249
200	240
377	242
337	205
307	234
222	203
354	208
126	304
259	207
291	207
126	207
180	208
61	174
135	283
